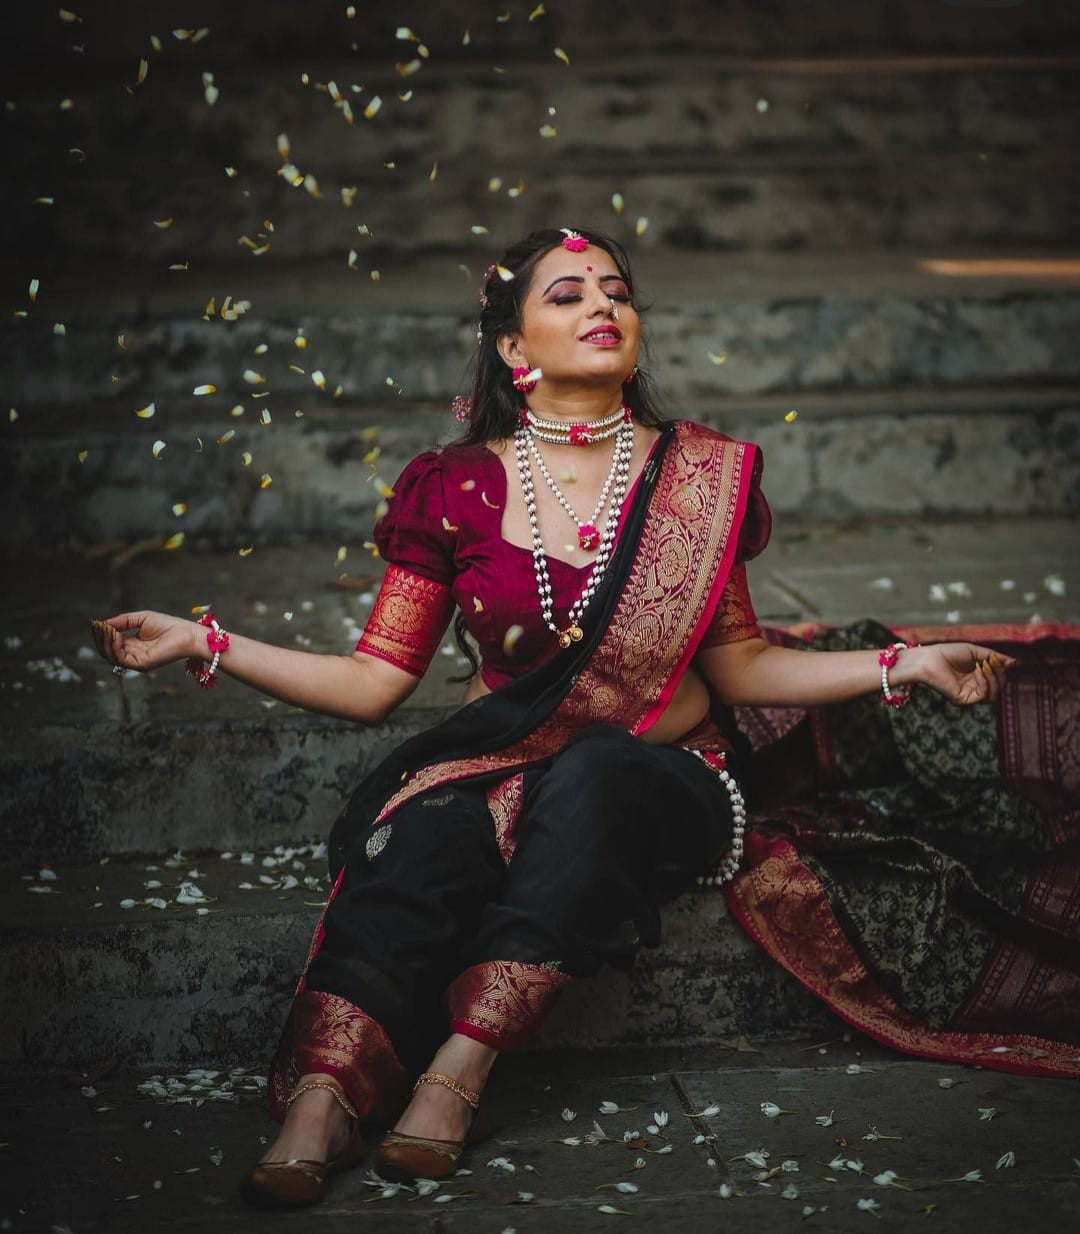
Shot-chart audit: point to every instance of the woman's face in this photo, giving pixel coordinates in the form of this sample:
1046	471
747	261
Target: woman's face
567	325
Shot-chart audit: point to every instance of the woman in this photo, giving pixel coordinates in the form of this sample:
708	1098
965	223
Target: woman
596	554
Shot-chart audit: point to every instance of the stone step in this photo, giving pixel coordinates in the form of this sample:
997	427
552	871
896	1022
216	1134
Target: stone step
148	1164
93	766
732	155
169	987
744	28
955	452
868	321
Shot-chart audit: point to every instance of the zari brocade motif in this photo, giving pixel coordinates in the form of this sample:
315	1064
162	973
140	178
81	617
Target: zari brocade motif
327	1035
734	619
408	621
784	908
504	803
664	607
502	1002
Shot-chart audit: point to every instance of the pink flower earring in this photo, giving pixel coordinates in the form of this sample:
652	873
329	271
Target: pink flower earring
525	378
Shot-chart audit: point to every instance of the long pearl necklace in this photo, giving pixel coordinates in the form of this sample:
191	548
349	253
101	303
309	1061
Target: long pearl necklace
624	446
587	534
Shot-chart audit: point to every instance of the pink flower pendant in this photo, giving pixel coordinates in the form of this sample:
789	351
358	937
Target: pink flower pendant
588	537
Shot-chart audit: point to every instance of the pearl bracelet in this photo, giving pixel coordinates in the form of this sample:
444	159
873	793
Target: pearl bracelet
728	868
887	659
217	641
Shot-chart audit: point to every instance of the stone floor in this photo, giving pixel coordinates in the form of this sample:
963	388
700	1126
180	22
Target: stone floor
967	1150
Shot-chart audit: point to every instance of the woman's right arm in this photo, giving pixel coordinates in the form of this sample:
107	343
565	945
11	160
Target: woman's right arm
355	687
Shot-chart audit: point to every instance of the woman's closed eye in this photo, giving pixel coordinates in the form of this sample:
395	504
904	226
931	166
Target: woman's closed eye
622	297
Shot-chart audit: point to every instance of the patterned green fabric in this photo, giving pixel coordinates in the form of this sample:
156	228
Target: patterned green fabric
921	836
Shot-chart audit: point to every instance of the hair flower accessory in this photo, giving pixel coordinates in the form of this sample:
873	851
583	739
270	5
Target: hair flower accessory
483	286
461	406
573	241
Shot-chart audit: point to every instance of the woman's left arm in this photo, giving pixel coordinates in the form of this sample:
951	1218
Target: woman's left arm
752	673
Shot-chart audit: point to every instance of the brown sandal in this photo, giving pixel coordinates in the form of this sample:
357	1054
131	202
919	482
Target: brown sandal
300	1183
404	1158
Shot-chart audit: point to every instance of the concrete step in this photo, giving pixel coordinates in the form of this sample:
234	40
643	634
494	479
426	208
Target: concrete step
168	986
920	452
868	321
740	154
143	1164
743	28
92	765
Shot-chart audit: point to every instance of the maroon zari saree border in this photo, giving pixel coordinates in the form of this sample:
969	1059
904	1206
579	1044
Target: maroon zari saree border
922	877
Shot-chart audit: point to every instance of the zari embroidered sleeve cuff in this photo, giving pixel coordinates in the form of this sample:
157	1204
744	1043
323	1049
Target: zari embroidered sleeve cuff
408	621
734	618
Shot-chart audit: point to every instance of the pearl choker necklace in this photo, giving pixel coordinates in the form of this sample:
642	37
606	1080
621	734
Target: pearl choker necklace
624	448
559	433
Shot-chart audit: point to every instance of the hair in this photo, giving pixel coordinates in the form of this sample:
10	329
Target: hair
495	404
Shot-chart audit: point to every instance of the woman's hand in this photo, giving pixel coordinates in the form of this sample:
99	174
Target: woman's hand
962	672
151	639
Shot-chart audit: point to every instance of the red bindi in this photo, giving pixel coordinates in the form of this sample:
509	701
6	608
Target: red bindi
589	268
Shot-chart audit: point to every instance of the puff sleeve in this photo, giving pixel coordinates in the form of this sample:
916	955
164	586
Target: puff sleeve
415	603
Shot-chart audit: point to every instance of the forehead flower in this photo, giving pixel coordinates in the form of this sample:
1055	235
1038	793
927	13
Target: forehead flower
573	241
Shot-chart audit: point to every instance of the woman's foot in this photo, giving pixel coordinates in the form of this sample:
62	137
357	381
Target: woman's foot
316	1128
436	1112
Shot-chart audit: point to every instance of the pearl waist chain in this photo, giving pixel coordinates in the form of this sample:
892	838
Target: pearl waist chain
728	867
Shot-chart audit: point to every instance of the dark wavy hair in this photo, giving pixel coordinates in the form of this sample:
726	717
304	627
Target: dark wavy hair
495	404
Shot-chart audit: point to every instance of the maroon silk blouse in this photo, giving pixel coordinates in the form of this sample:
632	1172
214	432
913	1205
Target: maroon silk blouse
442	540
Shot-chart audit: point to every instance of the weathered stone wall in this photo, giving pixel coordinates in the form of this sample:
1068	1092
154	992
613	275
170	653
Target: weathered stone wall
791	165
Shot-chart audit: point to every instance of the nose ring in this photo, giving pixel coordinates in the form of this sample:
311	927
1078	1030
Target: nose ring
614	311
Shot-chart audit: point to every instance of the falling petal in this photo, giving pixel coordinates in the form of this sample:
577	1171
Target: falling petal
791	416
147	412
617	203
641	226
561	55
548	130
1006	1161
35	284
207	389
157	448
174	541
510	639
372	108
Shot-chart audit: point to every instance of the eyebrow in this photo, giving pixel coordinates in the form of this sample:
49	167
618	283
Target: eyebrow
577	278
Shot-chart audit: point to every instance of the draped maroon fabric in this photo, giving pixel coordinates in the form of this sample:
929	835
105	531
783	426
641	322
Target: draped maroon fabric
1021	1010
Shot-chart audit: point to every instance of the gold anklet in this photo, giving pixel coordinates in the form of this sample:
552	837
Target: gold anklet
466	1094
331	1087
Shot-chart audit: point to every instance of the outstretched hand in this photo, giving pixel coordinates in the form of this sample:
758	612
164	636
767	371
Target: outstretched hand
143	640
962	672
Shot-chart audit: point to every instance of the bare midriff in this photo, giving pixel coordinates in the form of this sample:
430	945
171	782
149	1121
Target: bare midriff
688	706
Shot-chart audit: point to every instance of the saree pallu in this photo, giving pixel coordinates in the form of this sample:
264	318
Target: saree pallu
918	869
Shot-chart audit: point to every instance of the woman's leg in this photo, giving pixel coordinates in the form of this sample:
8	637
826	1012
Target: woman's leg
370	1010
613	829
